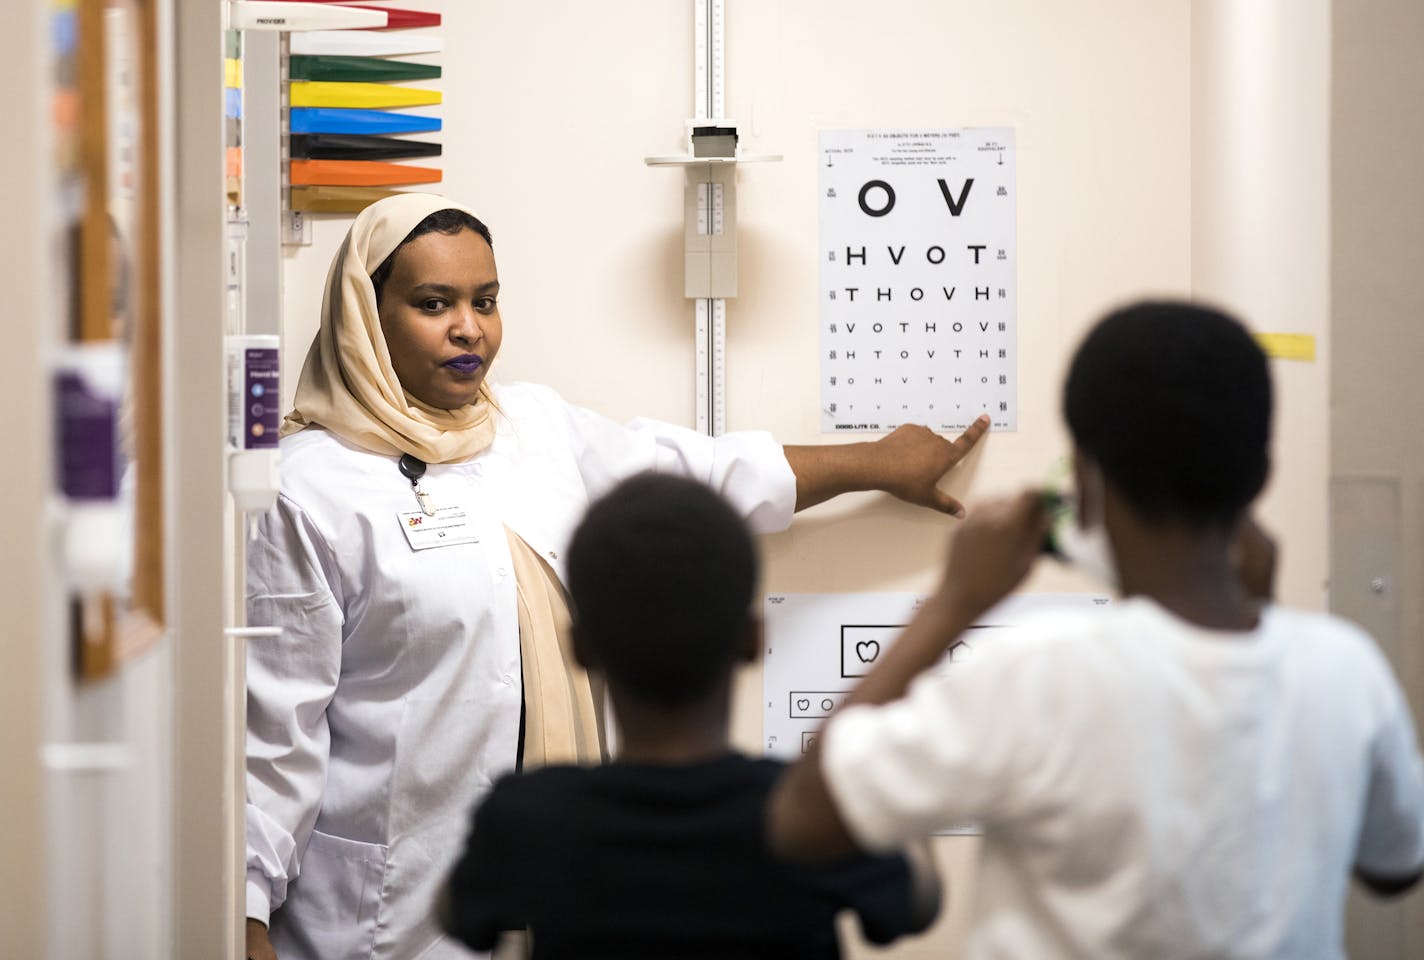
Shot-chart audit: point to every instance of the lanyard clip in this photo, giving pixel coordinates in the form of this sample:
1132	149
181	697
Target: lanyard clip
413	468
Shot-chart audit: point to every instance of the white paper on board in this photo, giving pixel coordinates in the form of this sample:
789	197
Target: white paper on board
818	645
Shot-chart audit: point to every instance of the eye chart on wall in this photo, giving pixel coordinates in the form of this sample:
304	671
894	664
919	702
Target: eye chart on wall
818	646
918	298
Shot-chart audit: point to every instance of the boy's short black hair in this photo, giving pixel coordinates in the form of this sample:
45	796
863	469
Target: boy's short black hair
1173	400
661	574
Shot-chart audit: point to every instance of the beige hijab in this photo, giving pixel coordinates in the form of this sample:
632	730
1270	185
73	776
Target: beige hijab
349	387
348	384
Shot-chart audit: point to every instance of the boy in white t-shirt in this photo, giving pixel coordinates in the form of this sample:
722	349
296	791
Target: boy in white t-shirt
1192	773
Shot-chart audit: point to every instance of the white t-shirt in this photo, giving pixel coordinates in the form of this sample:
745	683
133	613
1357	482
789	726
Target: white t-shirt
1148	788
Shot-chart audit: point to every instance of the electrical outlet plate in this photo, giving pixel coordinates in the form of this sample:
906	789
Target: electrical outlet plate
296	229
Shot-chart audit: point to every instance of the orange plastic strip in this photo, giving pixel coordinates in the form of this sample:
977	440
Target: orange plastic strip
360	173
234	161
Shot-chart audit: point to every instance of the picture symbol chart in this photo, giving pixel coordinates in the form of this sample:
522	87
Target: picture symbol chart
820	645
918	273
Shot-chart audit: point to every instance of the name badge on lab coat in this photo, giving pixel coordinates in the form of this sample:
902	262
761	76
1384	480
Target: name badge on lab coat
449	525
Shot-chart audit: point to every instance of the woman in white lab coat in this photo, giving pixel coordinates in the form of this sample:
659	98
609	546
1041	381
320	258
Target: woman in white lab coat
413	562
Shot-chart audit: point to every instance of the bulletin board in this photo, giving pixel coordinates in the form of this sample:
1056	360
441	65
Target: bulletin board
114	291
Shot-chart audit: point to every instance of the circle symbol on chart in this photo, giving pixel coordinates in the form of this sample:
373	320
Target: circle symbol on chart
828	704
258	429
258	390
258	409
803	704
867	650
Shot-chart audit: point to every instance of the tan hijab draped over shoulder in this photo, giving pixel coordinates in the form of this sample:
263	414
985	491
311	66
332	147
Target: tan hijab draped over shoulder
348	386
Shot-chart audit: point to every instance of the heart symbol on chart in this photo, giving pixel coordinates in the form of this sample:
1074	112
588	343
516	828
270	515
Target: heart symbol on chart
803	704
867	650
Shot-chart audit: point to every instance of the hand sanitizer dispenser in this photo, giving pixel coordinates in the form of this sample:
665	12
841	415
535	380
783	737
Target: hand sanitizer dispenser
253	419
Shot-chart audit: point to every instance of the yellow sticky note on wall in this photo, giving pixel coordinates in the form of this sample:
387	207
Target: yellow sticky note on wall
1288	346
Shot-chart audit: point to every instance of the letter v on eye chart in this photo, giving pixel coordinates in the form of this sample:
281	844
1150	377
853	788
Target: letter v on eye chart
819	645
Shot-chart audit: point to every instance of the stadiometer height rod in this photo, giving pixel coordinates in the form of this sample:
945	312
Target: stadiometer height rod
709	212
710	338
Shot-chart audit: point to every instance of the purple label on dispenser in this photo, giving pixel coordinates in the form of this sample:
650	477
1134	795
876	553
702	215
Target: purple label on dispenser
261	395
87	439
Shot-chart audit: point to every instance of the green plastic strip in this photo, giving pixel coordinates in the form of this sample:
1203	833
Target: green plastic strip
358	69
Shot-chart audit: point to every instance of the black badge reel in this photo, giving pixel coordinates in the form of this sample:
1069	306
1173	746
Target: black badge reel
413	468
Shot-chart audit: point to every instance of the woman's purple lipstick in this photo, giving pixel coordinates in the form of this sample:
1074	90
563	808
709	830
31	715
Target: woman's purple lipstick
466	363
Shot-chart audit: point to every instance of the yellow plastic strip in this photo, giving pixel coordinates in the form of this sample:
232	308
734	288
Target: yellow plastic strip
1288	346
367	96
232	73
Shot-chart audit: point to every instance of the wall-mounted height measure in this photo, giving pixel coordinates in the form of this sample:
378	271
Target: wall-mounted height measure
710	212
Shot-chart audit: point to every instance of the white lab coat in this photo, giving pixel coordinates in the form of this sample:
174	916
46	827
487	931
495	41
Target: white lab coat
392	698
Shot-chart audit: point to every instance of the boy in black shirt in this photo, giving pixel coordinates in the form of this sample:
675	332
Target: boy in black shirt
661	853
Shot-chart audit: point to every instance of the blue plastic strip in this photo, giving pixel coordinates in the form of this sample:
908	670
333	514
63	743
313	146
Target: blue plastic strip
232	102
338	120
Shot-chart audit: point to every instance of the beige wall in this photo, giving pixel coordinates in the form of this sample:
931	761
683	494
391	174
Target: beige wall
1377	394
1260	235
